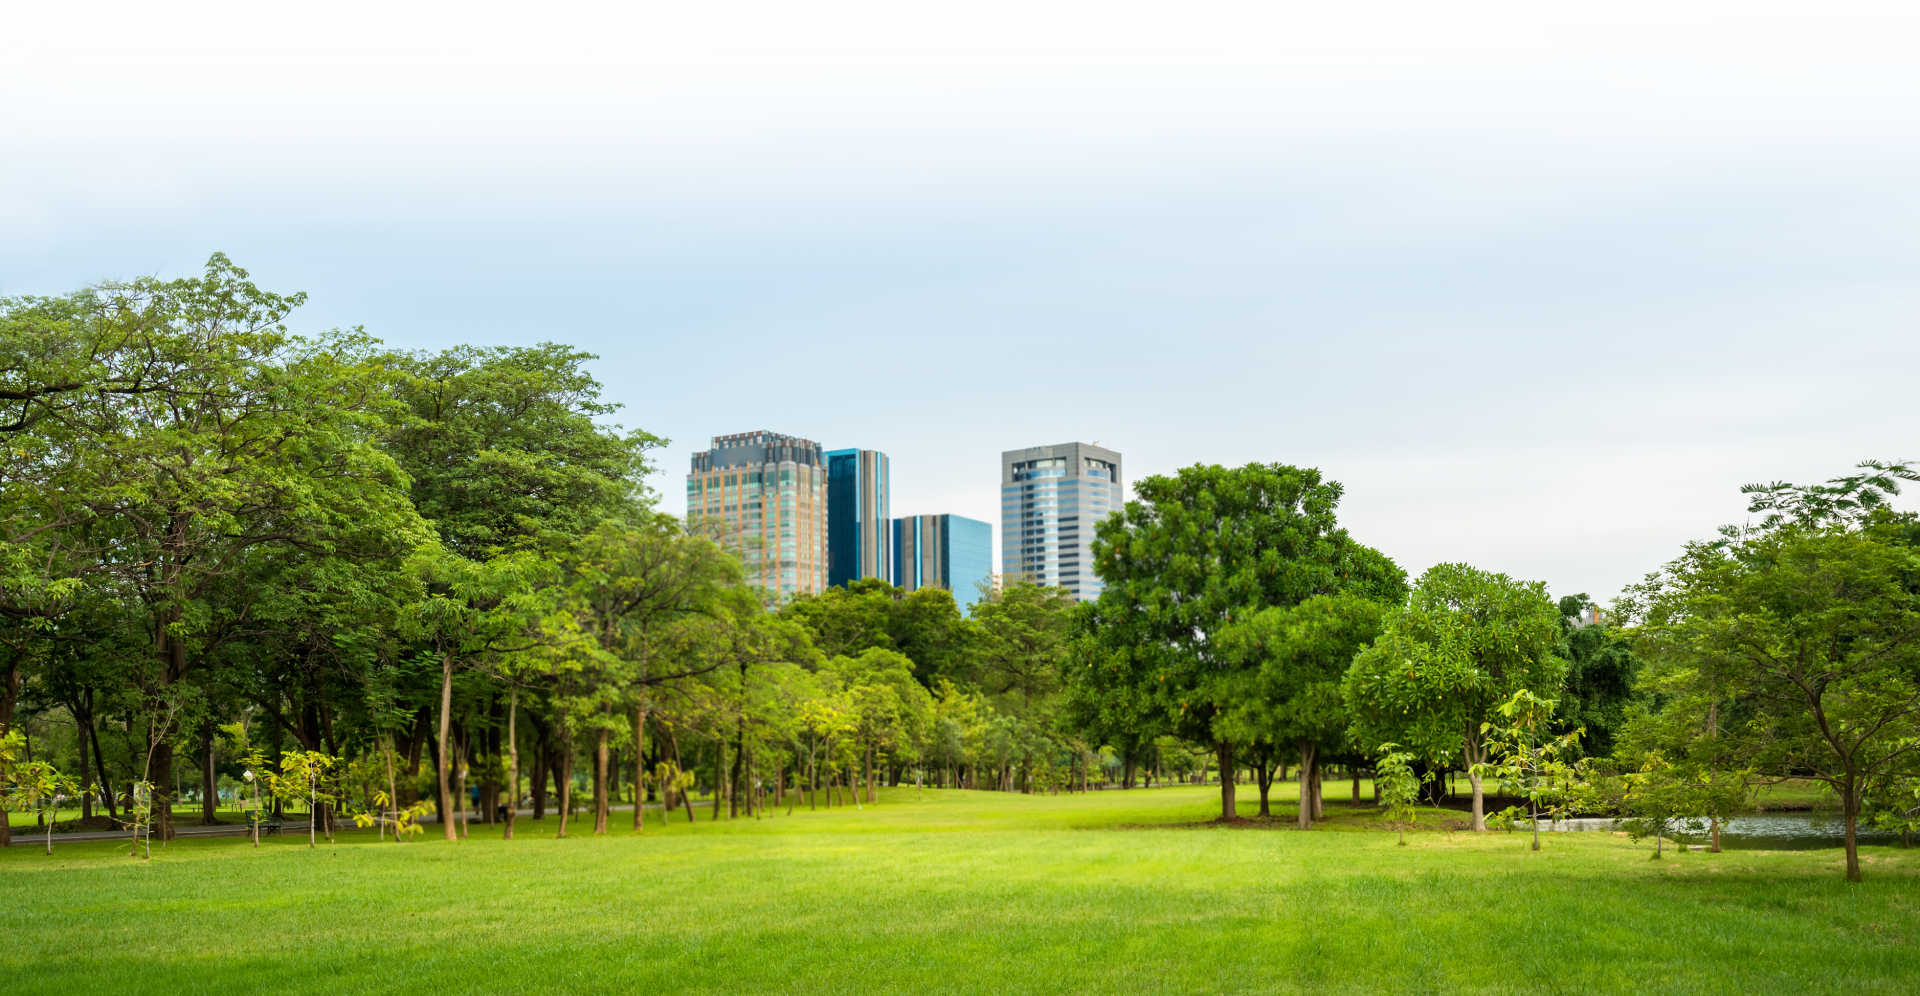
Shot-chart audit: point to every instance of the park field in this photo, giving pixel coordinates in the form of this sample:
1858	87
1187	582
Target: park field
958	892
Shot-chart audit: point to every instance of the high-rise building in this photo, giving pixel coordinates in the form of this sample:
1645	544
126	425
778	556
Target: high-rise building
859	524
946	551
1050	498
766	494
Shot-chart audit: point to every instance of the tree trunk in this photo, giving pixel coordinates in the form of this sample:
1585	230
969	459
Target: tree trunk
563	779
513	764
1850	811
9	696
209	786
600	773
1225	750
1266	785
873	797
442	759
1319	809
1473	754
719	775
539	783
1307	751
1354	770
734	783
639	769
83	720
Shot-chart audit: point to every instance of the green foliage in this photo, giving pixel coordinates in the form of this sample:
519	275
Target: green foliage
1191	555
1464	644
1849	500
1795	651
1534	765
1602	674
502	445
1399	786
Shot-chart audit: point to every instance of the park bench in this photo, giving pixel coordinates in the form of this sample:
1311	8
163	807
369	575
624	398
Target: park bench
269	827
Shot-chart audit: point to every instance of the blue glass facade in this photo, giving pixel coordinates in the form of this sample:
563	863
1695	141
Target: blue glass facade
948	551
859	519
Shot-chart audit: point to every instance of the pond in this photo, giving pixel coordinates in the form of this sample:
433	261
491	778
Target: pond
1764	831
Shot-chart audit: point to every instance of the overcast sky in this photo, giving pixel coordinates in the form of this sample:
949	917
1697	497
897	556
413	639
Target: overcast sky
1541	284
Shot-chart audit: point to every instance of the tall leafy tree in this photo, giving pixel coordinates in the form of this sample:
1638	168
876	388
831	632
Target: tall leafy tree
628	583
1293	659
214	435
1190	555
1466	641
503	444
1806	638
1602	671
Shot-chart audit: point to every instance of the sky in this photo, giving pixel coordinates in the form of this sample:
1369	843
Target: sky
1540	284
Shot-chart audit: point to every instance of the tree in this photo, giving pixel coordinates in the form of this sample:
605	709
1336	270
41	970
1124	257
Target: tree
1297	656
1531	763
1192	554
472	611
1810	636
1399	786
501	445
1601	673
844	621
204	434
1465	642
627	582
886	705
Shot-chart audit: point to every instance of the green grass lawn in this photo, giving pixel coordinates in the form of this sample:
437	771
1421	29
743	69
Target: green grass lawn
958	892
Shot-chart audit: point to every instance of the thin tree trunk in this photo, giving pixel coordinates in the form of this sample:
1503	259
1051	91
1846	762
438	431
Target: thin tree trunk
1304	819
1472	753
1850	811
513	763
563	777
9	697
538	783
1266	785
443	758
601	770
1225	750
640	769
83	719
209	787
1319	807
100	762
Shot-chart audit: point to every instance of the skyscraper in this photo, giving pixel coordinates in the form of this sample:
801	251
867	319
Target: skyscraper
859	524
767	494
948	551
1050	497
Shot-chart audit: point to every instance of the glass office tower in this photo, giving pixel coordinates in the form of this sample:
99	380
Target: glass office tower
1050	497
859	522
764	495
946	551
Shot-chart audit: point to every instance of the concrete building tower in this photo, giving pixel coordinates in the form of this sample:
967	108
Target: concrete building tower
1050	497
859	522
945	551
764	494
